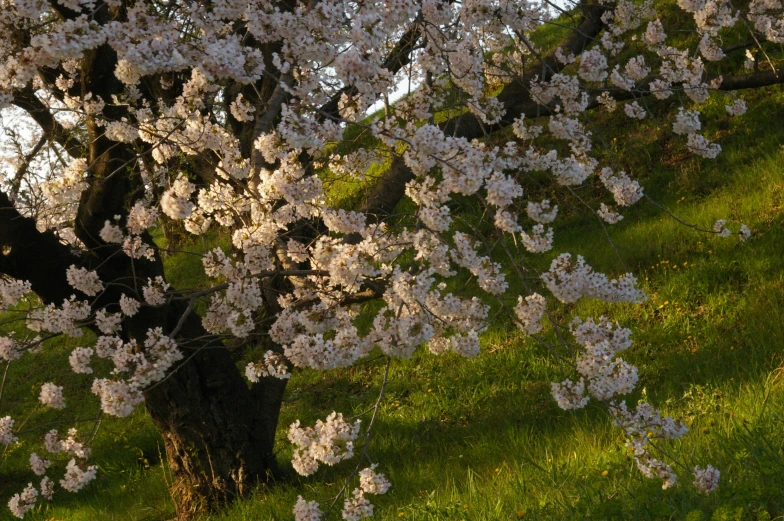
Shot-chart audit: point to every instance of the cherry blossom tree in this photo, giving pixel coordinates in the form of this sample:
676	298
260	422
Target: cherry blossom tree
226	116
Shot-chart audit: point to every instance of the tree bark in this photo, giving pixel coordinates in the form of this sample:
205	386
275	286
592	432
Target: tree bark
219	436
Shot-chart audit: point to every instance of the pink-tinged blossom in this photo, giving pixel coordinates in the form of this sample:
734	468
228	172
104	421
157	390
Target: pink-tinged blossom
608	215
706	480
129	305
77	476
542	212
38	465
9	350
372	482
273	365
744	233
11	291
117	397
52	396
720	228
108	323
154	291
686	122
737	108
357	507
47	488
625	190
80	360
570	395
141	218
328	442
307	510
654	32
593	66
607	101
7	431
52	442
529	311
84	280
634	110
20	504
569	281
702	147
538	241
175	202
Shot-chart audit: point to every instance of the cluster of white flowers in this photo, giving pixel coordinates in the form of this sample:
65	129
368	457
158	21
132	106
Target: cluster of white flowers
687	122
9	350
70	445
65	319
608	215
372	482
84	280
111	233
129	305
175	202
68	187
154	291
20	504
7	430
273	365
38	465
489	275
307	510
80	360
11	291
328	442
569	281
76	477
643	426
538	241
593	66
109	323
606	376
52	396
702	147
241	109
738	108
117	397
529	311
634	110
357	506
706	480
542	212
625	191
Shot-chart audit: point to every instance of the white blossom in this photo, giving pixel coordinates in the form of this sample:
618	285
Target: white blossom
706	480
52	396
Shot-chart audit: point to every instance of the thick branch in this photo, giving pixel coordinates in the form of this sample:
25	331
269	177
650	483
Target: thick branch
515	97
54	131
28	254
753	80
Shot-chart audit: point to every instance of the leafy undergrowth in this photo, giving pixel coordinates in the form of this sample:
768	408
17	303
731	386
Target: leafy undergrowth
482	439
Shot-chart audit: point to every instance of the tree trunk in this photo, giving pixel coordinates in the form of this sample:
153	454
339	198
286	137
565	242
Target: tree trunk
218	436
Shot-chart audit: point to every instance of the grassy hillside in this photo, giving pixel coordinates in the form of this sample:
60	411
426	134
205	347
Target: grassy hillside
482	439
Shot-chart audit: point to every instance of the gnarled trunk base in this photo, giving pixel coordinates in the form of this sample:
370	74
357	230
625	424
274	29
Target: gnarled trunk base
218	435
